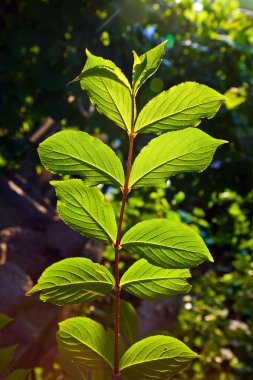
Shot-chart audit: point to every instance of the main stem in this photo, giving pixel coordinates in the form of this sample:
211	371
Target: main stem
117	247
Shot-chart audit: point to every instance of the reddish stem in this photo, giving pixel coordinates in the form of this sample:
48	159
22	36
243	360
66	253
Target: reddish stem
125	191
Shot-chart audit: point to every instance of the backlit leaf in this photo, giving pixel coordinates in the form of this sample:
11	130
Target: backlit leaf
166	244
146	65
180	107
189	150
157	357
108	89
72	281
150	282
85	209
78	153
86	343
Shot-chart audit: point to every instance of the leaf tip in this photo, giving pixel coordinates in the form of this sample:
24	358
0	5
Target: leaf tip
136	57
88	53
33	290
221	142
76	79
164	43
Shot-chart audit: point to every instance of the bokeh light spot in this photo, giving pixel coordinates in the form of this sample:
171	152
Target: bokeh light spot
170	40
67	36
156	6
198	7
105	38
101	13
35	49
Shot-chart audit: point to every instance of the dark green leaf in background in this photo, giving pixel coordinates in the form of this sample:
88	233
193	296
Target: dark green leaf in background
100	375
4	320
128	322
19	374
74	370
6	356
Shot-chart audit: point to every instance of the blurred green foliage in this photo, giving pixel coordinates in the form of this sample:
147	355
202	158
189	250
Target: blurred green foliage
217	319
7	355
209	41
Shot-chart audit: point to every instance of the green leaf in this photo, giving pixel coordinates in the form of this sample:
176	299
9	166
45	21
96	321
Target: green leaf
129	325
6	356
155	357
85	209
190	150
146	65
72	281
75	152
20	374
180	107
86	343
166	244
4	320
150	282
108	89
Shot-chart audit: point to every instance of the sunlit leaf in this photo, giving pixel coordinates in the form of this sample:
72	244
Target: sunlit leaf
78	153
150	282
146	65
72	281
85	209
86	343
158	357
180	107
189	150
166	244
108	89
